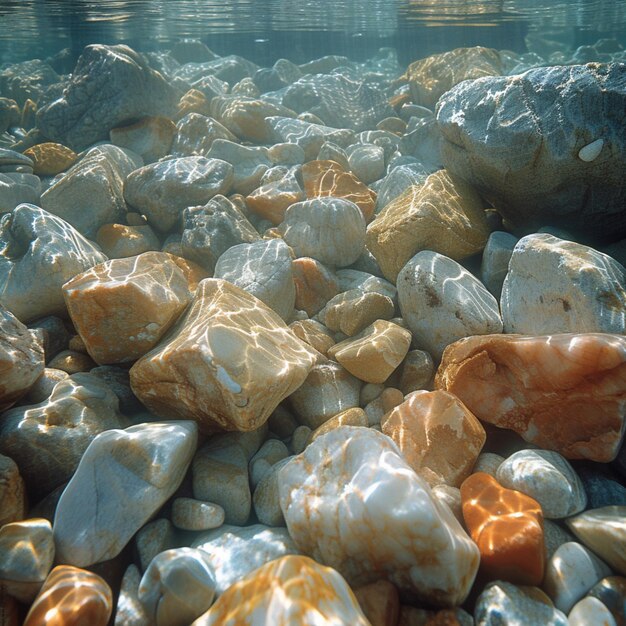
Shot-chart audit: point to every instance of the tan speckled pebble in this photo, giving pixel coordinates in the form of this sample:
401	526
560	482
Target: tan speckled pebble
190	514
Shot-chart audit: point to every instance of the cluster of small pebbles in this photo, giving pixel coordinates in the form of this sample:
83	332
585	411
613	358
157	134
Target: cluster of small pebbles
322	344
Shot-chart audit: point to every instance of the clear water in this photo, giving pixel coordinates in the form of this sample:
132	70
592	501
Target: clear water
265	30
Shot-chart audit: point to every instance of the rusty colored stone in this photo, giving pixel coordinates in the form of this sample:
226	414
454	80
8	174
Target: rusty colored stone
380	602
315	285
50	158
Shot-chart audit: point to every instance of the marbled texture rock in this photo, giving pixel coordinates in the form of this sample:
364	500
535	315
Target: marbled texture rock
374	353
195	134
151	137
118	241
135	471
228	362
517	140
437	435
191	514
49	158
177	587
611	591
546	477
559	392
346	488
264	270
331	230
290	590
47	440
236	551
162	190
123	307
417	372
367	162
21	358
603	530
558	286
590	611
110	85
507	527
12	492
314	333
35	243
315	285
444	215
70	597
442	302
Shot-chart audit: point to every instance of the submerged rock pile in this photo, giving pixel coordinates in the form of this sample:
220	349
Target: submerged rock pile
317	344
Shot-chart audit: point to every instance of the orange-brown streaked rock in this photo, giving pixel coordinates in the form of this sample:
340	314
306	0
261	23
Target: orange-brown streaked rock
562	392
315	285
71	597
444	214
13	504
72	362
507	527
50	158
437	434
313	333
227	364
355	416
122	308
429	78
380	602
194	101
119	241
270	201
374	353
150	137
289	590
328	178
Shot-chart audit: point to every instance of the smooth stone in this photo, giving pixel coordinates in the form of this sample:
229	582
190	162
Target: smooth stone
488	462
191	514
16	189
451	497
400	177
328	178
49	158
543	117
193	101
177	587
507	527
558	286
26	557
437	435
266	497
546	477
220	475
570	573
109	86
129	611
555	536
417	372
264	270
123	307
151	137
559	392
601	487
228	363
590	611
72	362
314	333
517	605
379	602
118	379
328	390
12	493
209	231
21	358
332	152
47	440
195	134
442	302
55	333
339	493
367	162
355	416
272	199
70	597
495	261
33	243
12	157
119	241
331	230
236	551
134	470
444	215
379	408
152	539
162	190
9	114
272	451
611	591
374	353
315	285
603	530
365	281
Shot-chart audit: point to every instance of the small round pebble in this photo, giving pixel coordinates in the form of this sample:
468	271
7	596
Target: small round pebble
590	611
190	514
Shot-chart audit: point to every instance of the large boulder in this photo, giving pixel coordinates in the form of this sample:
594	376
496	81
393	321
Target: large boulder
545	147
110	85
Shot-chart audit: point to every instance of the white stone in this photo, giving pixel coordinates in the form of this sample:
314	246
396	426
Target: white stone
272	451
129	611
266	499
123	478
495	261
351	502
367	162
591	151
589	612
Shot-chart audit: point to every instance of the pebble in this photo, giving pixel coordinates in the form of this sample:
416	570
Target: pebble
350	417
135	470
358	476
12	492
151	137
603	530
272	451
367	162
177	587
590	611
507	526
195	134
300	439
488	462
272	199
315	285
72	362
602	487
49	159
266	500
495	261
190	514
290	590
611	591
546	477
18	188
119	241
129	611
314	333
545	388
152	539
418	371
379	602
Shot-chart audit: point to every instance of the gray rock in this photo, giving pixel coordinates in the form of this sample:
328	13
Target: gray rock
212	229
601	487
44	386
495	261
110	86
230	69
518	140
39	252
195	135
17	188
118	379
192	51
162	190
129	610
367	162
263	269
12	493
27	79
398	180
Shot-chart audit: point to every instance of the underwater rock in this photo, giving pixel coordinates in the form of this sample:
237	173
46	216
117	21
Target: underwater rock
18	188
50	158
195	134
150	137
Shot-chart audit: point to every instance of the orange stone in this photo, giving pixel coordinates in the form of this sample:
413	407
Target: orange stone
350	417
50	158
272	200
561	392
314	333
71	597
119	241
380	602
315	285
194	101
328	178
507	526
